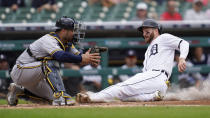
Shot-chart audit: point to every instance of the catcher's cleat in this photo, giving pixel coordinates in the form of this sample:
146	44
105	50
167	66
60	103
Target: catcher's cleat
158	96
68	99
62	99
12	96
59	101
82	98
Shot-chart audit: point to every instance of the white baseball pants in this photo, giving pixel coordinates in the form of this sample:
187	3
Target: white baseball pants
140	87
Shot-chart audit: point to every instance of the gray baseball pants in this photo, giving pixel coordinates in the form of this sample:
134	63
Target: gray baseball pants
32	79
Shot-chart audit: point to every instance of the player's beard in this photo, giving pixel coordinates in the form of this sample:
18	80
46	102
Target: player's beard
67	38
151	37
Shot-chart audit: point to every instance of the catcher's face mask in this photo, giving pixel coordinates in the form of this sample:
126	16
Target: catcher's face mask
79	32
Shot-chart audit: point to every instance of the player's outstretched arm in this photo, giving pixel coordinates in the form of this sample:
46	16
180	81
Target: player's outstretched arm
184	50
182	65
63	56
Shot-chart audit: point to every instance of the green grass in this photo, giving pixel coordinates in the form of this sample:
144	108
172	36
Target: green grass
116	112
99	112
4	102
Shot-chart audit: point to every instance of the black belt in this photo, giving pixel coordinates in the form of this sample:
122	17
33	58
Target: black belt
28	50
162	71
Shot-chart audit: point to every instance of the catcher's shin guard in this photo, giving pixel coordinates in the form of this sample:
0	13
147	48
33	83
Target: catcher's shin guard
53	77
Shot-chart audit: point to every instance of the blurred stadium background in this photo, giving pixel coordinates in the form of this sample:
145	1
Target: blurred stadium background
110	23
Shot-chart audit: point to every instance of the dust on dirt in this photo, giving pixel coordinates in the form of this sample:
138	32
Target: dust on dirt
114	104
191	93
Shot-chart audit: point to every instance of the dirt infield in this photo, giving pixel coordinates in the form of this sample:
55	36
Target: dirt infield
113	104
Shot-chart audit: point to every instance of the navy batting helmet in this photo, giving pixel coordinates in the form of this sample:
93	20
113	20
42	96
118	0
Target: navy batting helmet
150	23
70	24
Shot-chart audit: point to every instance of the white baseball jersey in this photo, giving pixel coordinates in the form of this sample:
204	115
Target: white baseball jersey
160	52
46	46
144	86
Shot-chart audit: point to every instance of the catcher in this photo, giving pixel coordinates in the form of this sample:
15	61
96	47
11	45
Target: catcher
36	72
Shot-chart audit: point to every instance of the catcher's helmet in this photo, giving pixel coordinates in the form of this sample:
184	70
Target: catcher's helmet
64	23
150	23
70	24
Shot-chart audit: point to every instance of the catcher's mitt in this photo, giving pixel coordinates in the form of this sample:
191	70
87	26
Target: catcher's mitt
97	49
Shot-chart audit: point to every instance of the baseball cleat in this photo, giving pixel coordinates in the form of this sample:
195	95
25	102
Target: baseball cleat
12	96
82	98
59	101
65	99
158	96
69	101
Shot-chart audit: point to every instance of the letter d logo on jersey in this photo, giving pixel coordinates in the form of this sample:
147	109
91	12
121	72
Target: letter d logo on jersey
154	49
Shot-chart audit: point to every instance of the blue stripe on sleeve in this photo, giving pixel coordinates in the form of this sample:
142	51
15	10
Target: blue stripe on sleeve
63	56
